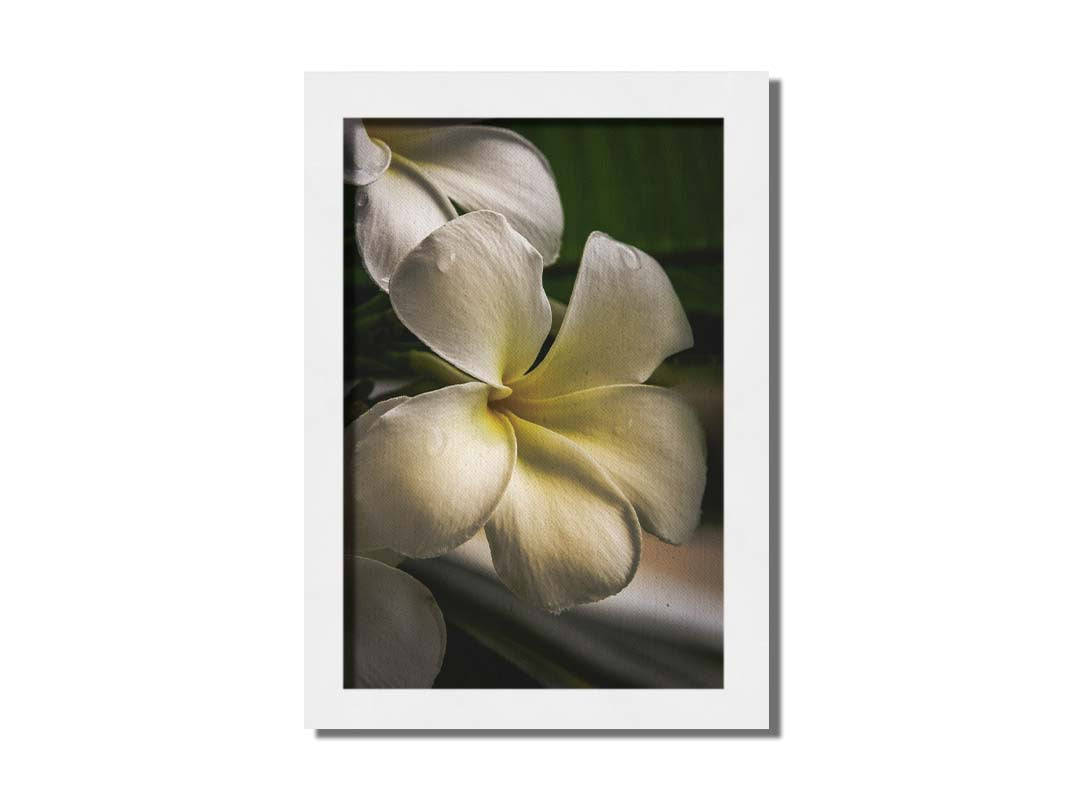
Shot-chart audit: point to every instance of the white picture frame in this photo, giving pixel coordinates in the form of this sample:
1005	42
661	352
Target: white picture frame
739	98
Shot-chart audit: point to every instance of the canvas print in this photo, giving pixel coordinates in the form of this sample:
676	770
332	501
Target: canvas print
533	404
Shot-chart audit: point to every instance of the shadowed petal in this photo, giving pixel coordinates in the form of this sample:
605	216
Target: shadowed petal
395	213
398	630
482	167
365	158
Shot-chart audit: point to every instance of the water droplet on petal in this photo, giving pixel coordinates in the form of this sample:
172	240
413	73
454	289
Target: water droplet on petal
435	441
631	258
446	260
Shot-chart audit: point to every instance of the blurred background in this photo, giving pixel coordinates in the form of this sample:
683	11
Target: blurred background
658	185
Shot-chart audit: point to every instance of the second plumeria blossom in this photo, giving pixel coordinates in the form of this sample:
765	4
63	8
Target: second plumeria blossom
562	465
408	176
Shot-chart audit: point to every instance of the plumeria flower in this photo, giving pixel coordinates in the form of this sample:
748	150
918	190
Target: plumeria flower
562	465
398	631
407	177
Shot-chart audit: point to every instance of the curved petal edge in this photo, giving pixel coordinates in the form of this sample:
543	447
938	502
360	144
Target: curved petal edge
622	321
471	291
397	632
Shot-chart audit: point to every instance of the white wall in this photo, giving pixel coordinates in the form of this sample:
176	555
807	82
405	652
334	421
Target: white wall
151	325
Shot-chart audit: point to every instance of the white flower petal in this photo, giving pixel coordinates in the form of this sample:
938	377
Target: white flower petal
429	472
647	438
357	430
482	167
394	214
623	319
398	632
563	533
472	292
365	158
370	416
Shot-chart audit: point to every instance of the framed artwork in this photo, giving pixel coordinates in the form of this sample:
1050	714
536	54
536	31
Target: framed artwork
537	401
